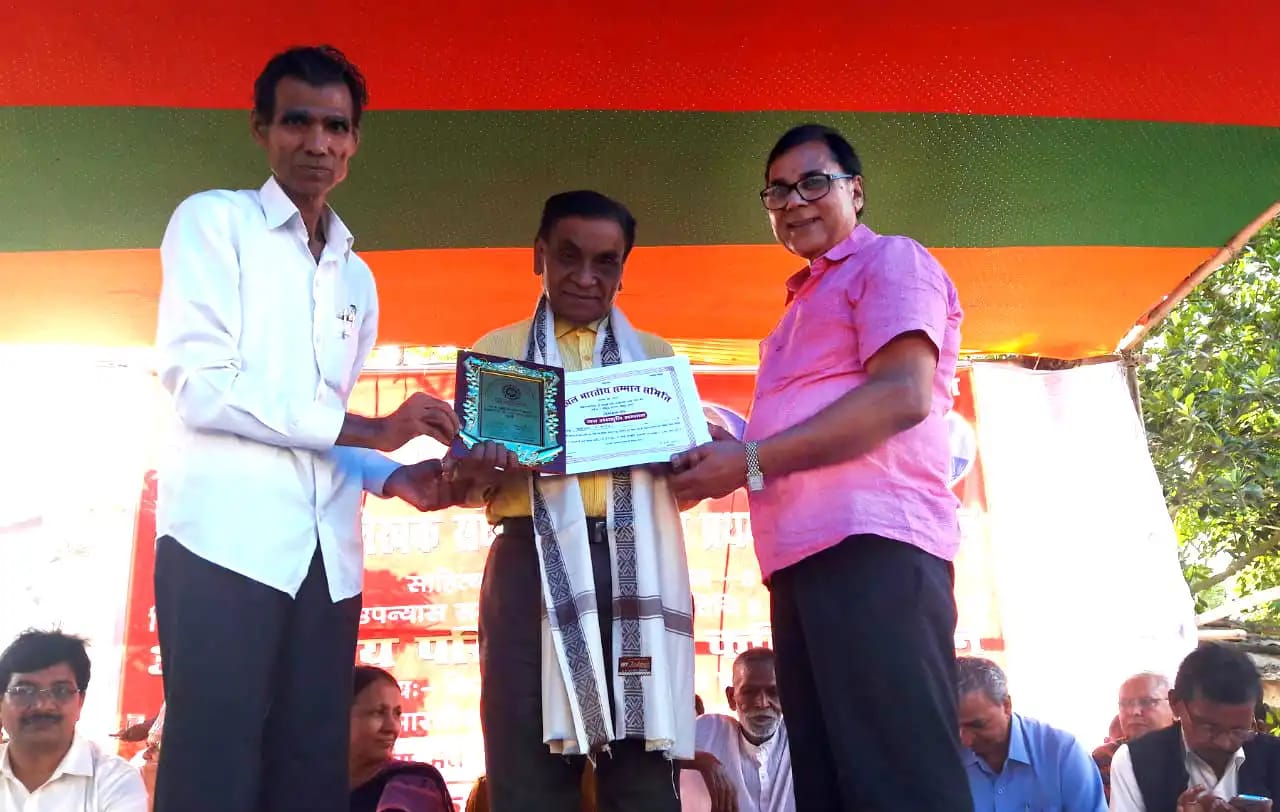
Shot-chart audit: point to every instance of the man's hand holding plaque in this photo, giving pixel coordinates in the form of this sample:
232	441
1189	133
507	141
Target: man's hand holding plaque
515	405
422	485
419	415
480	470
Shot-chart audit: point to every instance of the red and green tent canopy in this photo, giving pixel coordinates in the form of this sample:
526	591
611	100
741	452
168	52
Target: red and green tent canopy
1070	163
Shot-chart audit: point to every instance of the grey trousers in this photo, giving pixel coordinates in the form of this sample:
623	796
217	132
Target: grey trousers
257	686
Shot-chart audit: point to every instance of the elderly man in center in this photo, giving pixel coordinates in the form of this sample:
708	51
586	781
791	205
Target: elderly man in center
586	627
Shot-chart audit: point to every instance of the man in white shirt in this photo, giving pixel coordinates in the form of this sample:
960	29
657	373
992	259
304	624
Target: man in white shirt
1213	755
266	317
45	765
751	749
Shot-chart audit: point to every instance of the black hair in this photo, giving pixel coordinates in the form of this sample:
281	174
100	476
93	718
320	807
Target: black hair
840	147
591	205
36	650
317	65
1219	674
366	675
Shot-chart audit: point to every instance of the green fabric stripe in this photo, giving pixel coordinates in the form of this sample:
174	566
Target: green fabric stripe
88	178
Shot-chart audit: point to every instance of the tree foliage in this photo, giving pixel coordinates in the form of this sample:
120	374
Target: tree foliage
1211	401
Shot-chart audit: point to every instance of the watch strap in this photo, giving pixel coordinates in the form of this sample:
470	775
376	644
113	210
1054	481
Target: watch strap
755	477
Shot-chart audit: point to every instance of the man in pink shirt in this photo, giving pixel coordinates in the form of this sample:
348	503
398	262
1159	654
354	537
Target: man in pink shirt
845	460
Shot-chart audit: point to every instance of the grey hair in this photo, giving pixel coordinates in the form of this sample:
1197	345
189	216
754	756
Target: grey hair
1162	682
758	655
979	674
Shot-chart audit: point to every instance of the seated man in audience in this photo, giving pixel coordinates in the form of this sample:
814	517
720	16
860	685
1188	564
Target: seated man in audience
1016	763
744	760
45	765
1213	754
1144	707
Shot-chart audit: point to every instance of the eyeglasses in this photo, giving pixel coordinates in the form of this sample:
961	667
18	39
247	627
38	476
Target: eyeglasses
27	696
1141	703
810	188
1211	731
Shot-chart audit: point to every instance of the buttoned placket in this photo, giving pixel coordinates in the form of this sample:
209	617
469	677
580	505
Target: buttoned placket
321	304
586	346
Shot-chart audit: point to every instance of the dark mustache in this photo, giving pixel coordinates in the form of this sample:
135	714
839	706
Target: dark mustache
41	717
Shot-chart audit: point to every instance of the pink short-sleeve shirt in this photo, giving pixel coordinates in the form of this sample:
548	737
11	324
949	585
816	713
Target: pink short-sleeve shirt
842	309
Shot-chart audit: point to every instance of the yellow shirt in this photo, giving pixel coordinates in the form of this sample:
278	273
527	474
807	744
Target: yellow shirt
577	351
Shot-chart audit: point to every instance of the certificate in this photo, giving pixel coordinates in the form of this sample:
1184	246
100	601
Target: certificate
631	414
515	403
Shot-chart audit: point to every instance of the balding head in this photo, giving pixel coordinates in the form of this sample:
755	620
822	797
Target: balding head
1144	704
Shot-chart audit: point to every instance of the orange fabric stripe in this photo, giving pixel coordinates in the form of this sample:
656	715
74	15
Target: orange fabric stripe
1057	301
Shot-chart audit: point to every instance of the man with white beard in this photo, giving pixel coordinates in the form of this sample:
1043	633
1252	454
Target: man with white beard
751	746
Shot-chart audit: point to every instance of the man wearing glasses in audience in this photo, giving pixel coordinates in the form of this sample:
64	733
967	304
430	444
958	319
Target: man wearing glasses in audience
45	765
1213	760
1144	707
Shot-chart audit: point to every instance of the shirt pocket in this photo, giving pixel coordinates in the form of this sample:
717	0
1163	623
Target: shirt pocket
341	311
340	347
815	340
1045	804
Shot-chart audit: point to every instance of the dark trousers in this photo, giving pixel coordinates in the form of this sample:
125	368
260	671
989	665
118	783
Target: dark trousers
521	772
865	638
257	688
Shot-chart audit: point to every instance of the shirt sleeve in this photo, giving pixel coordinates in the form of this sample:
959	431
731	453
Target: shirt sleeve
656	347
374	467
903	291
1081	782
198	335
120	788
1125	795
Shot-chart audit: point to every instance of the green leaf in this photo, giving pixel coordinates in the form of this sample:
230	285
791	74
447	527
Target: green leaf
1211	402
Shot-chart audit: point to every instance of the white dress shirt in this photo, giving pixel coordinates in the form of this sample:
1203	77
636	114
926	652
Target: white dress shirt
87	780
761	774
260	346
1126	797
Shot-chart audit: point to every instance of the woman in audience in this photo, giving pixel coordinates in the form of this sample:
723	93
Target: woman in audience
380	783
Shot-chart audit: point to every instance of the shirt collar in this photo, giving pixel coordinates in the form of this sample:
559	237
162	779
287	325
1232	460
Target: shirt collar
77	761
1017	747
1190	757
563	328
756	752
838	253
1018	741
279	209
